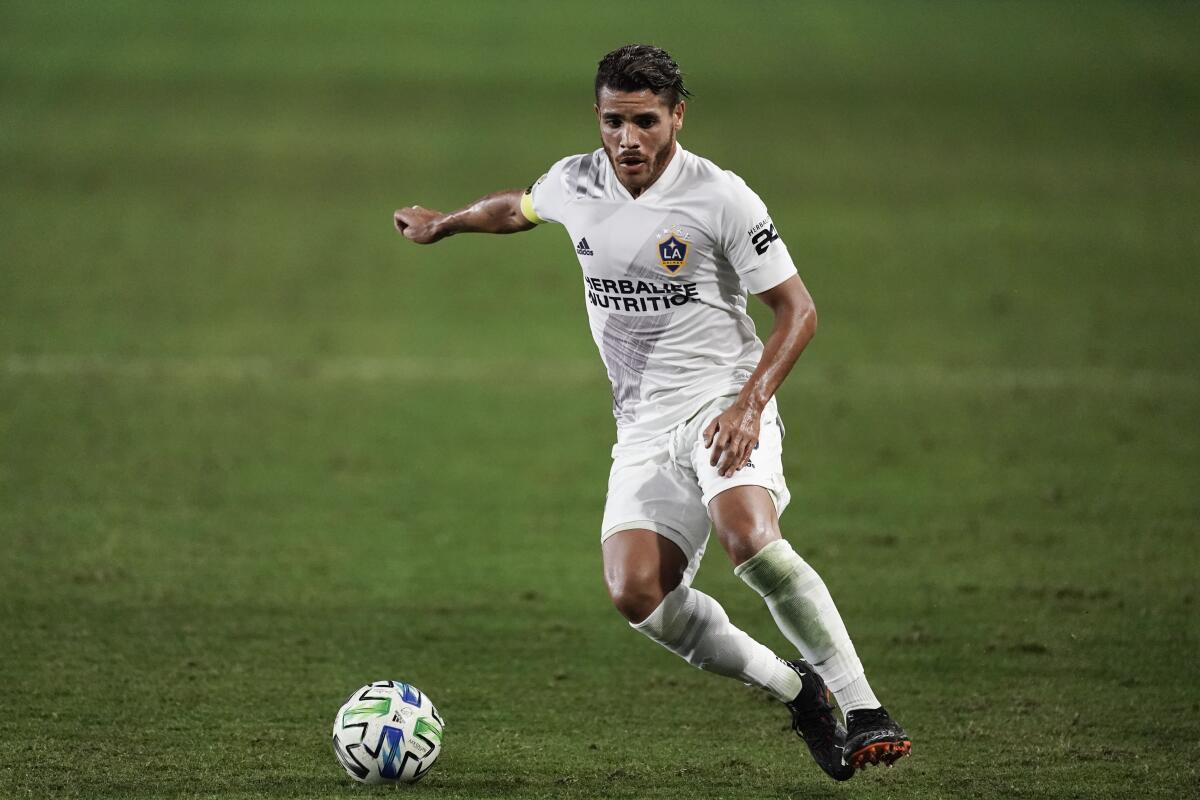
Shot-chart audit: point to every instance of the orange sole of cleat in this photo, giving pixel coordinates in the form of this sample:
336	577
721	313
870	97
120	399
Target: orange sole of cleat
885	753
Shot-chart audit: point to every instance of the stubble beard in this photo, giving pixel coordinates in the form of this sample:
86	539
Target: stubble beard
660	166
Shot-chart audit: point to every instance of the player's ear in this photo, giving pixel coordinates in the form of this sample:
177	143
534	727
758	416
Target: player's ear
596	108
677	114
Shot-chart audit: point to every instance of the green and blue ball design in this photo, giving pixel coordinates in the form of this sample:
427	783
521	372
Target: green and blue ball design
387	732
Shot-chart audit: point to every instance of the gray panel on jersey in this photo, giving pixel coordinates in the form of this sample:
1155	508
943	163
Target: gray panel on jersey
627	344
587	179
628	341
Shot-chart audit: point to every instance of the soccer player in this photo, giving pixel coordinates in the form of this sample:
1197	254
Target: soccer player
669	245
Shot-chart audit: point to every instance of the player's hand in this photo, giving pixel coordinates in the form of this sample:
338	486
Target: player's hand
732	436
419	225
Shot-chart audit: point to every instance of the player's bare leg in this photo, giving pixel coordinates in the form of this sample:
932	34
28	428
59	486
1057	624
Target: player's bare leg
747	526
644	574
640	569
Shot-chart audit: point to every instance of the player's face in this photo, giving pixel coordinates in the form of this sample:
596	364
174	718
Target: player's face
638	131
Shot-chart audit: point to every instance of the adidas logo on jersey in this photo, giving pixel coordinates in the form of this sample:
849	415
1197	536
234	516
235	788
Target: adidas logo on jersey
583	248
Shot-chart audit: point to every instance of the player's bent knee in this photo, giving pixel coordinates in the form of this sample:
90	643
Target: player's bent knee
640	569
634	601
742	546
743	538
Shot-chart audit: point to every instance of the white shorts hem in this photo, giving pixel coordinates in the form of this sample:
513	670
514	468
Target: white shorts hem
666	531
779	498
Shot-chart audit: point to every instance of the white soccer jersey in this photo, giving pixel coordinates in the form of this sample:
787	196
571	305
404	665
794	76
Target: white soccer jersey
665	278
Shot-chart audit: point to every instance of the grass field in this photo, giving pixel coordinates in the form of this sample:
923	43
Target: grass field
256	450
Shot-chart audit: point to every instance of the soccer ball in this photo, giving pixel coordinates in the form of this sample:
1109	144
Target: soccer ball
387	732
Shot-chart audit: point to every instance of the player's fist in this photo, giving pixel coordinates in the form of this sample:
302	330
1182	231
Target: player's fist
418	224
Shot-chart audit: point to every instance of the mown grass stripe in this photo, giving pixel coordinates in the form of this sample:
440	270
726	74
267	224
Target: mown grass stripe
561	371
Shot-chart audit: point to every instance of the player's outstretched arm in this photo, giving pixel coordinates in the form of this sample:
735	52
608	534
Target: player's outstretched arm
499	212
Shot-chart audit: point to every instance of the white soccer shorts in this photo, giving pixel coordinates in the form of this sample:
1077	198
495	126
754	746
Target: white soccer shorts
665	484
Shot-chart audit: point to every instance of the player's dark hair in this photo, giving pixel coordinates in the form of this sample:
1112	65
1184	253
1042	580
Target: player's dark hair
642	66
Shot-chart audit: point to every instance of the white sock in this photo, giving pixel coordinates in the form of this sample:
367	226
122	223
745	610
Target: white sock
806	615
694	627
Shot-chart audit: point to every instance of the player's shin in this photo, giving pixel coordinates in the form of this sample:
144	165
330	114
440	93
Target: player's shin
805	613
693	626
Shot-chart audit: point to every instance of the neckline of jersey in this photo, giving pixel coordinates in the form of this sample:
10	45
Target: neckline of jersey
664	181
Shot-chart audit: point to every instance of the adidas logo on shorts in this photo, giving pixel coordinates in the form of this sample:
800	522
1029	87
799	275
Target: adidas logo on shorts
583	248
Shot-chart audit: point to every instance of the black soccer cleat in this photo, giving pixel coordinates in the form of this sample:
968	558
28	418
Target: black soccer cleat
813	721
873	737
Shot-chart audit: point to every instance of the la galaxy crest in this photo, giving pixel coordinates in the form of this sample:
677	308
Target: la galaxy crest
673	249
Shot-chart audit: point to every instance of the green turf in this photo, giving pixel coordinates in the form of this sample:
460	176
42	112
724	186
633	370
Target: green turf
255	450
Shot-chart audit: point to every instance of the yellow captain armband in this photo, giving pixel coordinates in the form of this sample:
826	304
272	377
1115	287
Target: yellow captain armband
527	208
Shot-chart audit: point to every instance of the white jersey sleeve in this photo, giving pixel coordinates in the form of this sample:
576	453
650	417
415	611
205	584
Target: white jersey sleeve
751	245
545	199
